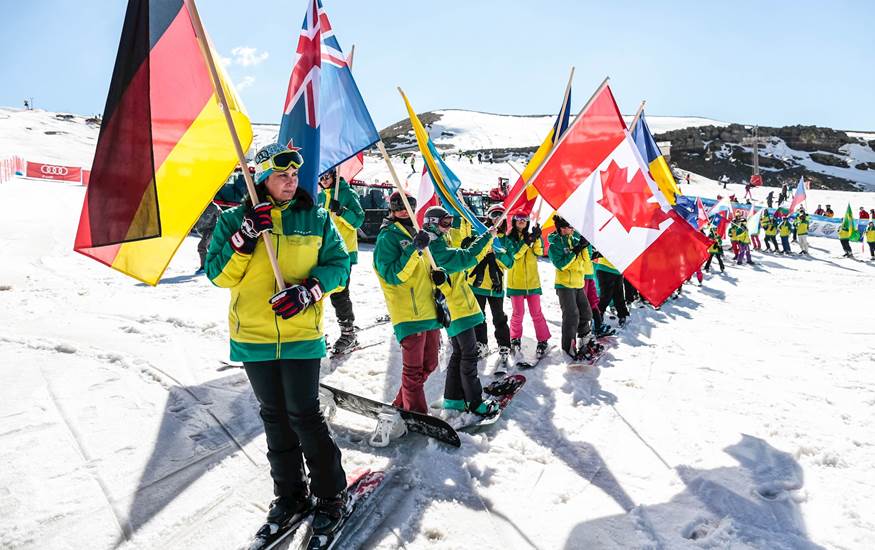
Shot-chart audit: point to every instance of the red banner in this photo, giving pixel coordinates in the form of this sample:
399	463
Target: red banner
756	180
53	172
10	167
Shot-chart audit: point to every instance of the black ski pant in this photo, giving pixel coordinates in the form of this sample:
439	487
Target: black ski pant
462	381
287	391
846	246
719	260
499	320
630	291
871	249
343	305
576	316
611	288
771	240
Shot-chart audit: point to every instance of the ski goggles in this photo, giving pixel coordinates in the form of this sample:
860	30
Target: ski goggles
495	214
520	218
446	222
281	162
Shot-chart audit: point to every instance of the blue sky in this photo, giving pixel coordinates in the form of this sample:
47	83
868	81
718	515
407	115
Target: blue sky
766	62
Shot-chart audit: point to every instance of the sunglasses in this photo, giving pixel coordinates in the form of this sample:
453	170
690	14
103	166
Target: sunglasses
446	222
281	162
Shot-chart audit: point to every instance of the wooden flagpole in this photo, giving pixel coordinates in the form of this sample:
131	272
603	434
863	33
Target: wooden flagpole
241	156
403	194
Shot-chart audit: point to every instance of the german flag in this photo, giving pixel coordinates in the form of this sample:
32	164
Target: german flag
164	147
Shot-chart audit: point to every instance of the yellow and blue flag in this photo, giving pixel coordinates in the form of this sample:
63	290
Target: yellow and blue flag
446	184
659	169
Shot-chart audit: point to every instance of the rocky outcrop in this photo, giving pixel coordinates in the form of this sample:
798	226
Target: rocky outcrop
829	160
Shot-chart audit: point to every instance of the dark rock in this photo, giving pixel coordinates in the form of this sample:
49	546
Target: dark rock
829	160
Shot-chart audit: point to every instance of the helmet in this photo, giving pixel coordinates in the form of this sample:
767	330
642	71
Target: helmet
274	157
396	204
435	215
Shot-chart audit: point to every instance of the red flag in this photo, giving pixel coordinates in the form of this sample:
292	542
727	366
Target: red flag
351	167
701	216
597	180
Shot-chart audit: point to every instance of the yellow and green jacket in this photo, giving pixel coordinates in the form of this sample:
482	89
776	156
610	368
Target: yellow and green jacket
464	310
405	276
603	264
738	233
717	246
503	259
570	267
802	225
870	235
351	218
784	228
523	278
845	232
769	227
460	231
307	245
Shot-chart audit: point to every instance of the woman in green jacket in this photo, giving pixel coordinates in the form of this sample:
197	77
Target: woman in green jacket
463	390
277	334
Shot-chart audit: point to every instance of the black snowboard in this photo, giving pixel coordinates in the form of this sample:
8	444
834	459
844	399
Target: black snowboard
420	423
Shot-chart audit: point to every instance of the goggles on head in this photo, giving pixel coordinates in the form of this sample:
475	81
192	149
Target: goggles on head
281	162
495	214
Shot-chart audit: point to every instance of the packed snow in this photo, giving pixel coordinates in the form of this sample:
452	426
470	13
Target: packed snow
737	416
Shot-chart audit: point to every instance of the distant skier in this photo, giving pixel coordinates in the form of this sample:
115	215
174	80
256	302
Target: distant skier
738	233
784	230
487	282
802	231
870	238
463	391
524	282
281	348
845	232
755	235
568	253
770	198
715	250
347	215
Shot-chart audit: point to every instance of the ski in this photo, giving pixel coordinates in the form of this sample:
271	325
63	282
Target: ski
353	349
270	535
359	491
382	320
420	423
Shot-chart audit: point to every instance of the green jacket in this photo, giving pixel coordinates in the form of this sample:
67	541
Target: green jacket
570	267
464	310
352	216
307	245
404	275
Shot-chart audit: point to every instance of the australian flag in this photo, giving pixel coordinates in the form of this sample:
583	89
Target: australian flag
324	115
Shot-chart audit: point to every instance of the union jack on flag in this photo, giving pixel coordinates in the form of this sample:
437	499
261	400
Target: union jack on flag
323	101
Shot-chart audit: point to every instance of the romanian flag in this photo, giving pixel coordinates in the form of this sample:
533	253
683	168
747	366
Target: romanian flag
446	184
659	169
164	148
527	201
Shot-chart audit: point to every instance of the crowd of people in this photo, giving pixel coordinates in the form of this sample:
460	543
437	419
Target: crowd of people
437	276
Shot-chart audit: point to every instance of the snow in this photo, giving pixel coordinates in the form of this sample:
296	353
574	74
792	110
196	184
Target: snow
737	416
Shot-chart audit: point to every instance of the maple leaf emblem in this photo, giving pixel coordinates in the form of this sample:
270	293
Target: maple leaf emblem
629	201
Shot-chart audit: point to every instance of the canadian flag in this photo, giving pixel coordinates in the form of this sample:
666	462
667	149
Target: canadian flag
596	179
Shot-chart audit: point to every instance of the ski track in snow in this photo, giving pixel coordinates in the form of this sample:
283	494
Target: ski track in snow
738	415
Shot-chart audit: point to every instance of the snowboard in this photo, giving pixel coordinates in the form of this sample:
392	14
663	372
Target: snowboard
503	390
360	490
420	423
523	364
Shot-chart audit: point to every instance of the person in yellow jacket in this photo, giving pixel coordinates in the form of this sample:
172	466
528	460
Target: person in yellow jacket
785	229
802	231
487	283
278	335
347	215
463	390
738	233
870	238
569	255
524	282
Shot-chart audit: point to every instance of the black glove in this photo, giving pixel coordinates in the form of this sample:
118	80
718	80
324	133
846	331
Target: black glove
467	241
579	246
422	239
536	232
296	298
256	221
438	276
334	207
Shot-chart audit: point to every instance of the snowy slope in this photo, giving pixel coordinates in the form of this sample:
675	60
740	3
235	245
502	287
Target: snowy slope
739	415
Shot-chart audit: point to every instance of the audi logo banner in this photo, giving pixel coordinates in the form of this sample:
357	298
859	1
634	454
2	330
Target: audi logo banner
53	172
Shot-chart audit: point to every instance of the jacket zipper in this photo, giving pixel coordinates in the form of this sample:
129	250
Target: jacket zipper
413	302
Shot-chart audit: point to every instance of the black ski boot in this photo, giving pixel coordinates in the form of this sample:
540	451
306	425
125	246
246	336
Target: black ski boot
515	345
347	340
329	513
284	514
541	348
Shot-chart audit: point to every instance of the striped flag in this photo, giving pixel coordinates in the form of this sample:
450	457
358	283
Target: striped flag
164	148
659	169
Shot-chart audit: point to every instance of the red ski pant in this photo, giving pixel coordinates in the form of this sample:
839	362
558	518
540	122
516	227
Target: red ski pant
419	355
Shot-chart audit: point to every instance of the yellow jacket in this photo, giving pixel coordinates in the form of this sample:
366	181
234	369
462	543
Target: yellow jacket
307	246
352	216
464	310
523	277
570	267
